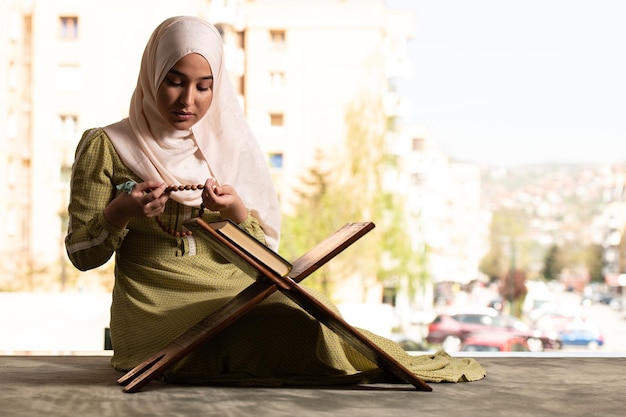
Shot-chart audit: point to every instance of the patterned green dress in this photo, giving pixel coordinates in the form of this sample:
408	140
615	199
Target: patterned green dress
166	284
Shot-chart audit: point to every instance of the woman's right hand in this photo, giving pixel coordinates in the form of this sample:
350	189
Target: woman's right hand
146	199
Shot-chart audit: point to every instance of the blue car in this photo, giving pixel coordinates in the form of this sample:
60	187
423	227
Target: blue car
587	336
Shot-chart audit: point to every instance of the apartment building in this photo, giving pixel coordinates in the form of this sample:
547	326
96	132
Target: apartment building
445	200
307	65
70	65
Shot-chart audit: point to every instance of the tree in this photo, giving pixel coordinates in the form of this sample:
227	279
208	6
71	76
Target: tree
347	190
513	290
402	266
393	256
317	213
594	262
350	189
552	265
506	237
492	264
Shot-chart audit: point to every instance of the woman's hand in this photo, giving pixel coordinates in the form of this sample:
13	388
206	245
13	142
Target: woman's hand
146	199
224	198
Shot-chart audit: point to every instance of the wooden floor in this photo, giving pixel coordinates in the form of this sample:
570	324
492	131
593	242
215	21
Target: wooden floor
578	385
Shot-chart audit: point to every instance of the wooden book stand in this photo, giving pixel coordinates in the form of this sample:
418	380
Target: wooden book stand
256	292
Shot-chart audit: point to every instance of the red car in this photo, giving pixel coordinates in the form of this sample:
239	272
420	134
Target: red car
495	342
451	330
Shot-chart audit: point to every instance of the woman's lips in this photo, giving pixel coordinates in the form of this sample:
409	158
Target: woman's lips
183	116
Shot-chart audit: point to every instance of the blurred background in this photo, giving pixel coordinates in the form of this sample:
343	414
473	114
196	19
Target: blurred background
484	139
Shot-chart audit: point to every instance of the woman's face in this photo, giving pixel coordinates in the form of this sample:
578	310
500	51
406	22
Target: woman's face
186	93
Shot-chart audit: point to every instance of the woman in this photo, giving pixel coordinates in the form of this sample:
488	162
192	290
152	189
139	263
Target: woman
185	127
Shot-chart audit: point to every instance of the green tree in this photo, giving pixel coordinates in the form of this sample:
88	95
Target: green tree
507	243
402	265
581	260
391	254
351	189
552	264
594	262
317	212
492	264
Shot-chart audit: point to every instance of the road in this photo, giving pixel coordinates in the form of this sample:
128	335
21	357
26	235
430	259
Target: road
612	324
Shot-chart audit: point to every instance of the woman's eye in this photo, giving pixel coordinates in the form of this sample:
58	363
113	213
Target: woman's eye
174	83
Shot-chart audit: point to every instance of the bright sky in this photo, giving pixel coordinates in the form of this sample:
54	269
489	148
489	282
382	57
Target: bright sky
521	81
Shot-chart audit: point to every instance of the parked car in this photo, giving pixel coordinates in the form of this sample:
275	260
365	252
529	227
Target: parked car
582	334
451	330
495	342
556	321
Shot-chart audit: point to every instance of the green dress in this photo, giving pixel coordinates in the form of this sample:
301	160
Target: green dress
166	284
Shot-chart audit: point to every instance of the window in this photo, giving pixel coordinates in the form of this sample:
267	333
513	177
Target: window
417	144
240	39
276	119
68	27
276	160
67	126
277	80
389	295
277	39
417	179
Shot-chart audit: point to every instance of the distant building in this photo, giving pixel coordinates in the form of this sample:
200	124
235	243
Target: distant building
70	66
306	62
444	199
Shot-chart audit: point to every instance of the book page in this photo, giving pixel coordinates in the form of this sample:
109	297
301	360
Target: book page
251	245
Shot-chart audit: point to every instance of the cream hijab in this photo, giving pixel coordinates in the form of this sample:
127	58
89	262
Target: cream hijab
220	145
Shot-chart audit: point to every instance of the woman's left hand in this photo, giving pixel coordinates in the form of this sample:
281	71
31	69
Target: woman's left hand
224	198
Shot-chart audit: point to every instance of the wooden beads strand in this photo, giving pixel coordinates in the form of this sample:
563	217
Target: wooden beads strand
171	189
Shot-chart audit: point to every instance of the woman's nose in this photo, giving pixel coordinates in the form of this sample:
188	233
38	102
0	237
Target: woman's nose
186	96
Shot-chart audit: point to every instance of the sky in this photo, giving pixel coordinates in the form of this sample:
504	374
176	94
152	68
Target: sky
513	82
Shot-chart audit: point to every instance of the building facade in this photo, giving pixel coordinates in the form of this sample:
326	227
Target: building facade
70	65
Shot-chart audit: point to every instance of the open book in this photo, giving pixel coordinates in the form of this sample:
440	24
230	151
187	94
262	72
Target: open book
257	260
231	241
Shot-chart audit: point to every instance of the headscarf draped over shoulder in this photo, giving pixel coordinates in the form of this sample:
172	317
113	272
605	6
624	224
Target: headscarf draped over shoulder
220	145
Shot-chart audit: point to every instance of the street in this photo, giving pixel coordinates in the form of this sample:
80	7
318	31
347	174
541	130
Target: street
612	324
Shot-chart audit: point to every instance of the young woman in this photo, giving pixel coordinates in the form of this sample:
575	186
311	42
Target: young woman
186	127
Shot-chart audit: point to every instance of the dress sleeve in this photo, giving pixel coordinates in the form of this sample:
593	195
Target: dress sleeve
253	227
91	240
